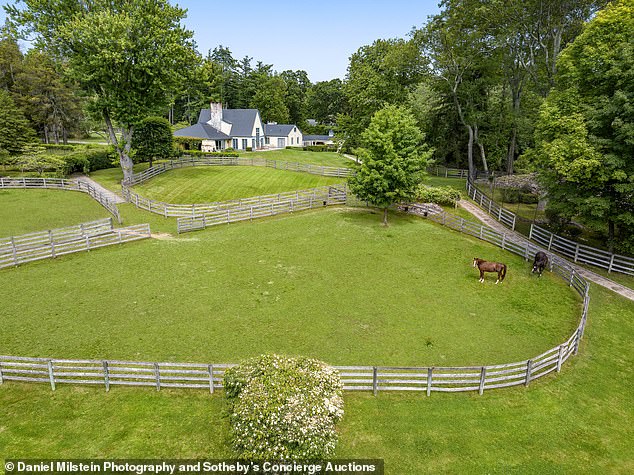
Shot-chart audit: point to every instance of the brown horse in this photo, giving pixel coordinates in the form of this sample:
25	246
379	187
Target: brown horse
485	266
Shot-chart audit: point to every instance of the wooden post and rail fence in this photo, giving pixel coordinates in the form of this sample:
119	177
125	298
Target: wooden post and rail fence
423	379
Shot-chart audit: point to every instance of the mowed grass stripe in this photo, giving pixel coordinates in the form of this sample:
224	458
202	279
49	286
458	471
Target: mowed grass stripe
208	184
28	211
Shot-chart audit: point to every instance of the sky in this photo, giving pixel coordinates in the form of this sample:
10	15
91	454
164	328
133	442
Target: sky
318	36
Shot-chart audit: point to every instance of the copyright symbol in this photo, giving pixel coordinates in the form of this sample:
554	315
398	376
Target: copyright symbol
9	466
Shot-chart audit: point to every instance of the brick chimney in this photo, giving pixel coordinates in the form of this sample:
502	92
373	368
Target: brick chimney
216	115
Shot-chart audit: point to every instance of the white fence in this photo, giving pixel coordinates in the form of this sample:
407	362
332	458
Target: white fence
263	206
424	379
500	213
62	184
582	253
16	250
236	161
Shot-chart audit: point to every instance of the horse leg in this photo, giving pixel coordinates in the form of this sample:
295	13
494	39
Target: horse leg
499	274
481	275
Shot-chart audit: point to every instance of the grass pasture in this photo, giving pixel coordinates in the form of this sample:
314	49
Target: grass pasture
336	285
297	155
214	183
28	211
332	284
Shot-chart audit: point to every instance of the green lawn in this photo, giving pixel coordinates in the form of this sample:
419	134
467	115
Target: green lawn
330	159
27	211
209	184
332	284
579	421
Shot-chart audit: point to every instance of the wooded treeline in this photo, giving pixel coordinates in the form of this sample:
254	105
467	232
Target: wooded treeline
500	85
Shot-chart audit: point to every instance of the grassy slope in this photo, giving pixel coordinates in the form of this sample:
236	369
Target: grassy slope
208	184
580	421
333	284
27	211
330	159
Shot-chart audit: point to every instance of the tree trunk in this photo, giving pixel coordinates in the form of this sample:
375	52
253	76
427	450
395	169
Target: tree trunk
470	152
46	140
385	216
510	157
122	148
481	147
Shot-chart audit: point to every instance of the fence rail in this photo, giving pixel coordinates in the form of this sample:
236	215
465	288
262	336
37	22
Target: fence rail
31	247
277	204
503	215
581	253
62	184
425	379
236	161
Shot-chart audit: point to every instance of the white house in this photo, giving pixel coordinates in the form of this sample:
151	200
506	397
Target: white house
282	135
224	128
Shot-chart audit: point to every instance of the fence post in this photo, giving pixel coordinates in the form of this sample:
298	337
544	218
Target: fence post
210	370
51	376
576	252
503	240
560	357
577	339
158	376
572	277
611	263
14	251
483	374
429	380
106	375
550	241
513	225
529	369
530	232
1	379
375	381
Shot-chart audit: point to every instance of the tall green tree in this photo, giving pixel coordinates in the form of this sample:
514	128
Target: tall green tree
153	140
325	100
585	137
297	84
269	100
127	54
15	132
379	74
393	159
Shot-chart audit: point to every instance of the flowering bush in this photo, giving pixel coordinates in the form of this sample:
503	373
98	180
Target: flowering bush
442	195
284	408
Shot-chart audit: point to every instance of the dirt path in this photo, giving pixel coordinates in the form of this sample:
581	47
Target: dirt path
516	237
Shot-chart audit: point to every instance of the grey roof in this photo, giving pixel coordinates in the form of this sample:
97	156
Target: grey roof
278	130
201	131
317	137
242	121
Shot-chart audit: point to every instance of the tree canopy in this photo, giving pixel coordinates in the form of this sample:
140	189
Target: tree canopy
586	129
393	159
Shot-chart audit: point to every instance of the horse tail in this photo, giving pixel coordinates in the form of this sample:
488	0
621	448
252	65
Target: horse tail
503	273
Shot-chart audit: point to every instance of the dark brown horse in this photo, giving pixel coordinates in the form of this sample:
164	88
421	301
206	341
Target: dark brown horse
486	266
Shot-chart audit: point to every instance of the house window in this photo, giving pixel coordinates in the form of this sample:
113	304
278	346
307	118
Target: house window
234	144
267	140
253	145
219	145
245	143
257	131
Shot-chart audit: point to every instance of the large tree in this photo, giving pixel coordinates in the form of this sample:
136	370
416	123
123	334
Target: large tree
15	133
128	54
585	137
393	159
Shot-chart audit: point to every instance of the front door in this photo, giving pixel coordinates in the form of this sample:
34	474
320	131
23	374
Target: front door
281	142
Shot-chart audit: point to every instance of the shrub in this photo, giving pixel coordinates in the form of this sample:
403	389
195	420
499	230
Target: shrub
284	408
320	148
442	195
188	143
198	153
249	149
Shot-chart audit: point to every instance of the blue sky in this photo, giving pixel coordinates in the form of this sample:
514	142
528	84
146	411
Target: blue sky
318	37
